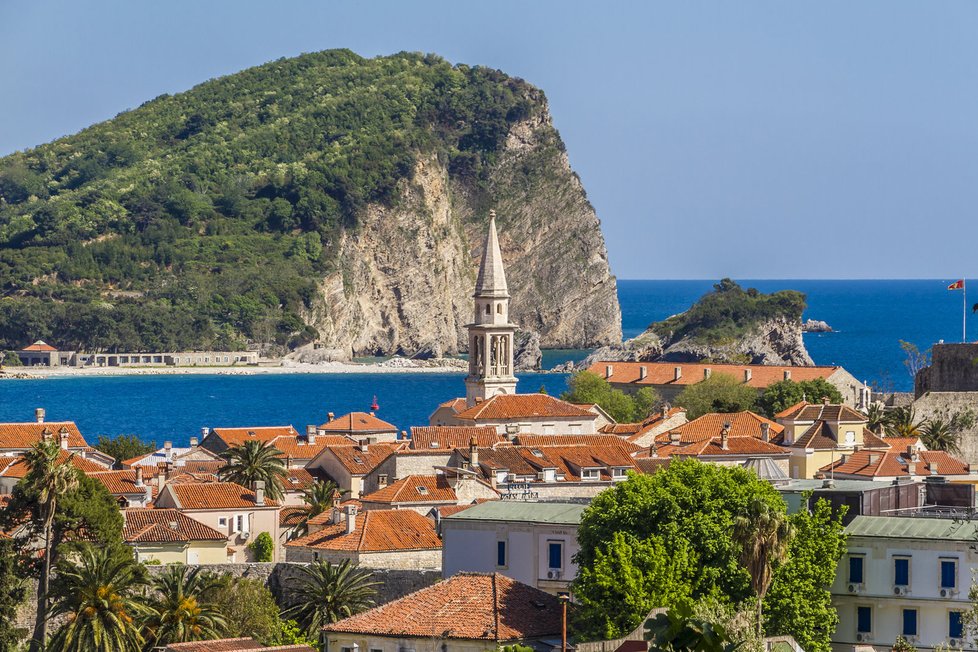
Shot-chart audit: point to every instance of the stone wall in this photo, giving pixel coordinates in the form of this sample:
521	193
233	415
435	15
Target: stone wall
945	405
953	368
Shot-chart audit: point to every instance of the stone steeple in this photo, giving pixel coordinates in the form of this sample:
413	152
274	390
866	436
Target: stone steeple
491	334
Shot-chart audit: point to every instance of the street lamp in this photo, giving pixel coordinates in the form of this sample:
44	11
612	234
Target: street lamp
564	598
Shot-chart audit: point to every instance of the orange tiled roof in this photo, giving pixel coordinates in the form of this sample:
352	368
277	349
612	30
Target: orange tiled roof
119	482
568	461
215	495
742	424
713	447
361	462
663	373
14	466
467	606
894	463
297	479
291	516
219	645
820	436
574	440
21	436
901	443
165	525
805	411
414	489
620	428
285	438
516	406
359	423
39	345
381	530
449	437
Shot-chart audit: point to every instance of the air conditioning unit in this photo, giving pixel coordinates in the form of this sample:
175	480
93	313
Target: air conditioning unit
855	588
945	593
553	574
246	535
954	643
900	590
862	637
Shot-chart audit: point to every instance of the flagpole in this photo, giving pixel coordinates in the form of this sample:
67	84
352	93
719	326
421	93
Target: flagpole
964	311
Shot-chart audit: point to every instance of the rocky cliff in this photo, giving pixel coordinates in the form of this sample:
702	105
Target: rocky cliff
327	203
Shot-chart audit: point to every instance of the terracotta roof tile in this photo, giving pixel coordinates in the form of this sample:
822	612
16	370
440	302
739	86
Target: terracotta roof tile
467	606
291	516
22	436
894	463
14	466
165	525
516	406
574	440
742	424
215	495
414	489
39	345
361	462
620	428
805	411
568	461
285	438
901	443
663	373
736	447
119	482
219	645
358	423
450	437
379	530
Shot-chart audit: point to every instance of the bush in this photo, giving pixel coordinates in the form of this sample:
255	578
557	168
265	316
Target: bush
262	547
588	387
718	393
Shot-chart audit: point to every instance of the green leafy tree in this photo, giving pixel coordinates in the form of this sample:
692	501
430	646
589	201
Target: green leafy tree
318	497
646	401
253	461
691	506
97	593
179	608
679	630
49	478
903	645
249	609
718	393
785	393
914	358
291	634
13	593
588	387
326	593
262	547
124	447
799	602
764	535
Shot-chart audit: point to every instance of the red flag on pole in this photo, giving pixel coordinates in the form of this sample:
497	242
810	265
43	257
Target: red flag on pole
957	285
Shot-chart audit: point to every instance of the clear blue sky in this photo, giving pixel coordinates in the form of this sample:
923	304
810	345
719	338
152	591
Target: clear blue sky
747	139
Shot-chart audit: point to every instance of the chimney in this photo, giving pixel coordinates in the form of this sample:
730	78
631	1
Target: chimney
677	373
160	480
364	445
64	438
351	518
259	492
39	415
674	437
825	400
608	371
168	450
194	442
706	373
311	436
765	432
403	435
337	514
288	461
933	468
747	374
911	452
372	413
474	453
725	437
204	432
643	371
787	374
47	434
139	476
653	451
330	416
911	467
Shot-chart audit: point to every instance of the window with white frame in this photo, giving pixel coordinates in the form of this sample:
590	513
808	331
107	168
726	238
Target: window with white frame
239	524
590	474
222	521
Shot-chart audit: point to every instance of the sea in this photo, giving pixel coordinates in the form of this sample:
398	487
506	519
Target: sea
869	318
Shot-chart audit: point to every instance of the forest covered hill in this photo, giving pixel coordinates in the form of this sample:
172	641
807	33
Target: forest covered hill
324	198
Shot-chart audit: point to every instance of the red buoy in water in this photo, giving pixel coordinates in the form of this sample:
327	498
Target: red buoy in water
374	406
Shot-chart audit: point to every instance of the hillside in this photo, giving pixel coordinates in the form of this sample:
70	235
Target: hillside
325	198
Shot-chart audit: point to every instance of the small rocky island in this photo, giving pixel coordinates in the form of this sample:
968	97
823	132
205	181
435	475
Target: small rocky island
729	324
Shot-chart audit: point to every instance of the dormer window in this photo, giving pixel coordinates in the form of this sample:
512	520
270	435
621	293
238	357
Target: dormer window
590	474
357	460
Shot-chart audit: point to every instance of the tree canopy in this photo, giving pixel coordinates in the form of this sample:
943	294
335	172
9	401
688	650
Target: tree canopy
588	387
785	393
718	393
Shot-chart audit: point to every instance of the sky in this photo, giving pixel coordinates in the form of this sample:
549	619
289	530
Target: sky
829	139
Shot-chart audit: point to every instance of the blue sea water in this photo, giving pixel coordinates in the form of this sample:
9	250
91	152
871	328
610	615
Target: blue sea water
870	317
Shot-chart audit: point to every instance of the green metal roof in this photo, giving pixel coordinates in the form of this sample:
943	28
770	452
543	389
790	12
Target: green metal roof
906	527
841	486
524	512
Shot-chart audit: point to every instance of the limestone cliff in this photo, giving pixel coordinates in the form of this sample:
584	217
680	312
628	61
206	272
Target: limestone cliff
405	277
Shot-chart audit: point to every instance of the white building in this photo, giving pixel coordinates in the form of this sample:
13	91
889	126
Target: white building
905	576
533	543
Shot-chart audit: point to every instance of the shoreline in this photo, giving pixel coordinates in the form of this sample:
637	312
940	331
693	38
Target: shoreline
401	366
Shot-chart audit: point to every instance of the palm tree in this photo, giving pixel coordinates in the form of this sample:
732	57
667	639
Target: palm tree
180	611
938	435
319	497
48	478
96	592
876	417
764	536
902	422
252	461
325	593
678	630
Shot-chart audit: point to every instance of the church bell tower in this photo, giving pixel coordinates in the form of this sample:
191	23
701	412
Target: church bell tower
491	334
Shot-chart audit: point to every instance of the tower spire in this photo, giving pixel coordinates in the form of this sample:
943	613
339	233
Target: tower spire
492	277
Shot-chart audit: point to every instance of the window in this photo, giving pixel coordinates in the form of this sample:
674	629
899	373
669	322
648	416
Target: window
949	573
955	626
222	522
422	490
382	479
856	569
909	622
500	553
315	556
590	474
901	571
555	555
499	308
239	527
864	620
619	472
488	309
850	437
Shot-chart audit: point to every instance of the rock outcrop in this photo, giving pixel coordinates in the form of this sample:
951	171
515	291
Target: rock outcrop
527	355
776	342
815	326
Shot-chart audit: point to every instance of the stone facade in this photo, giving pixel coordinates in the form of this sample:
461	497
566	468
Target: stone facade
399	560
953	368
945	405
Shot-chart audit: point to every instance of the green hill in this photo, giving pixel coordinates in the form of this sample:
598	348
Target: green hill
210	218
